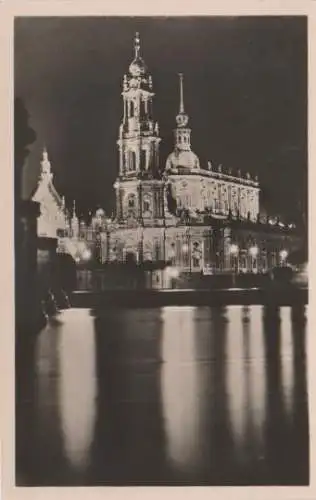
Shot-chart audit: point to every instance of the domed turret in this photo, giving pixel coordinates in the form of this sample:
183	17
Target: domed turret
182	156
182	159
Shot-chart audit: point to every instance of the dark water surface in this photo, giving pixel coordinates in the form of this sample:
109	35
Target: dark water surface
177	395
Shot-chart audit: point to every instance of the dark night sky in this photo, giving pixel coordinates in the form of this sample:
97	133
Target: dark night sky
245	91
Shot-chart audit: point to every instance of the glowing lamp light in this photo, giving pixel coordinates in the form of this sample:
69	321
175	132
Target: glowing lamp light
81	246
284	254
172	272
172	254
253	251
86	254
234	249
185	248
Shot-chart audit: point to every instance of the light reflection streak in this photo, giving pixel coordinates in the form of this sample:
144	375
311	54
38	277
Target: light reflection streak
236	381
180	388
47	368
77	390
246	384
257	375
287	359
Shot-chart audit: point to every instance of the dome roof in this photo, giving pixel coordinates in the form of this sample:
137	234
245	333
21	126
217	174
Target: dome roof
137	67
184	159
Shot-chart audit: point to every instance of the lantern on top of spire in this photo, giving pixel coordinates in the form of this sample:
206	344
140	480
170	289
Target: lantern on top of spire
137	66
46	173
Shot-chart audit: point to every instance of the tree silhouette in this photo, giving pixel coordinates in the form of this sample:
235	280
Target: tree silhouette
24	135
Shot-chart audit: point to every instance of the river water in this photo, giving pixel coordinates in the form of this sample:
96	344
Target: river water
169	396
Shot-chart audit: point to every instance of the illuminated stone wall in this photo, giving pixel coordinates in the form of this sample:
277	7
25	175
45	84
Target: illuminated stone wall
218	193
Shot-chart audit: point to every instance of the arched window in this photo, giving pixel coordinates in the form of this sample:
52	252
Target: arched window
131	201
146	205
196	254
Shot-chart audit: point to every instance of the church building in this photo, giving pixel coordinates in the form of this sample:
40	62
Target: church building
195	217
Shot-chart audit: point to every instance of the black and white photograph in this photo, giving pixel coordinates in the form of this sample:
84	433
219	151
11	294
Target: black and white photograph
161	251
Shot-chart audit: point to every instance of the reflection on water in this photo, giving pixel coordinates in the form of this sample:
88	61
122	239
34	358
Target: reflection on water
287	361
187	395
182	386
77	386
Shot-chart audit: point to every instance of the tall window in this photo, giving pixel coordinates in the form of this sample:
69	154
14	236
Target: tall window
143	108
143	159
172	253
132	161
132	108
157	250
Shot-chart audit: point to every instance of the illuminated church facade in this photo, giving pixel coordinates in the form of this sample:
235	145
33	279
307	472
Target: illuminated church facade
196	217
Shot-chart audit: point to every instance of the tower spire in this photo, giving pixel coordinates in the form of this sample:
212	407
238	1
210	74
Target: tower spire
74	215
45	166
181	118
181	108
137	45
45	154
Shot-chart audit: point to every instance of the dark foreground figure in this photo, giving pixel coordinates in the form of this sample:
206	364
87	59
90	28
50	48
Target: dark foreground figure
164	396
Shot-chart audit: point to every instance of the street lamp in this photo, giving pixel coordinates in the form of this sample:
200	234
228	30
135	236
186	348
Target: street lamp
86	254
283	255
253	251
185	248
233	250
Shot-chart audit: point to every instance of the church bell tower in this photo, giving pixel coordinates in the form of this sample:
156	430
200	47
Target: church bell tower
137	191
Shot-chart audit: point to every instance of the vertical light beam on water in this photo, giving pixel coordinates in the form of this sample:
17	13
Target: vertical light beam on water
47	423
236	377
287	359
180	388
77	391
257	375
